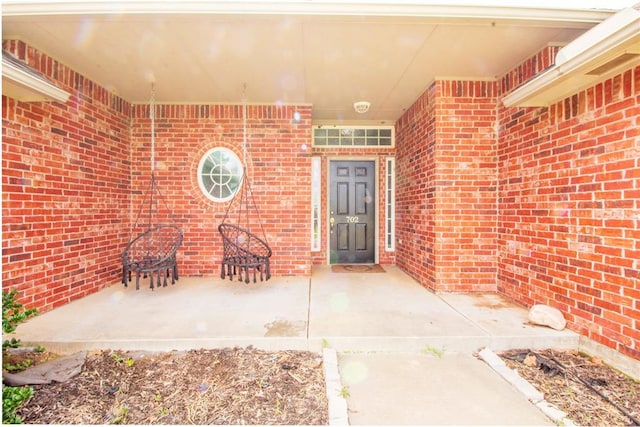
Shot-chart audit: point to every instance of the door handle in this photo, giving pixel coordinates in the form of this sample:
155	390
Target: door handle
331	222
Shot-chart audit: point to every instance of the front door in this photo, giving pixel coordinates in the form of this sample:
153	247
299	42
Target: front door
352	212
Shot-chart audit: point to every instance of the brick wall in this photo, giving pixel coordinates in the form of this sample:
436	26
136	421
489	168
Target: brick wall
74	176
542	204
570	209
279	167
416	191
65	188
466	186
447	187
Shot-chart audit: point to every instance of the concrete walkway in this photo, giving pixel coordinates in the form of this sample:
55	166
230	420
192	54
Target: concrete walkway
404	353
424	389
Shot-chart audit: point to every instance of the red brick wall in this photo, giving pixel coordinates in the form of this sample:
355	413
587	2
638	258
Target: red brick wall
542	204
416	191
570	209
65	188
279	170
74	176
466	186
447	189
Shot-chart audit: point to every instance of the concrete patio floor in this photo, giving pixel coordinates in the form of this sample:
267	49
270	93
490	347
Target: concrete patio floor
346	311
403	352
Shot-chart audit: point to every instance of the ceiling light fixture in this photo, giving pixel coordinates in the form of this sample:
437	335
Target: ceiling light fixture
361	107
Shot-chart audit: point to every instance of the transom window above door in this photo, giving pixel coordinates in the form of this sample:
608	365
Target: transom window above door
219	174
353	136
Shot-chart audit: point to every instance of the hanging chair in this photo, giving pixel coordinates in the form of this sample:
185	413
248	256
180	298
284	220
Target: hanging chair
153	251
245	254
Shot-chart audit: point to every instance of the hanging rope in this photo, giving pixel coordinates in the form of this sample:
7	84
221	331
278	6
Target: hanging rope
244	251
152	188
244	126
152	114
246	200
152	253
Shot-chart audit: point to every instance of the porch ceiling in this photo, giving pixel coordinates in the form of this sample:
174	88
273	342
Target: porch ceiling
328	54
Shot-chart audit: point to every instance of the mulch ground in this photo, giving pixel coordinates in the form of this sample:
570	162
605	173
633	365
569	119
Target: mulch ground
589	391
250	386
227	386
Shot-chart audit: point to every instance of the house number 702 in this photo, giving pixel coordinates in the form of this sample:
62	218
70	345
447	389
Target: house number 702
352	219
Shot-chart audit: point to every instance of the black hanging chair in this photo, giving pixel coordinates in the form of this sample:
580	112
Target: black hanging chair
245	253
153	251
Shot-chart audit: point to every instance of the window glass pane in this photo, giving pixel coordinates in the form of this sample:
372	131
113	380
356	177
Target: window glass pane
219	174
347	136
390	202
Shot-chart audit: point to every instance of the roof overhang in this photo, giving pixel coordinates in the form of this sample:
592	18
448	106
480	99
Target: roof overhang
21	82
597	54
542	10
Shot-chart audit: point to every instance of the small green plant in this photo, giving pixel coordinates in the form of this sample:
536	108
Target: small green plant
40	349
21	366
13	398
325	343
344	392
117	357
13	313
438	352
121	416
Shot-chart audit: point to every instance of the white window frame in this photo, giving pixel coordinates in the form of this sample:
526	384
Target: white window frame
316	225
342	128
390	203
235	170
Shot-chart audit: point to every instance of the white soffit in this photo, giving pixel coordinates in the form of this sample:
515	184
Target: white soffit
529	10
595	55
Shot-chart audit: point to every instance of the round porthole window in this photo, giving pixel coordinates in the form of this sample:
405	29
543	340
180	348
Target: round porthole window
219	174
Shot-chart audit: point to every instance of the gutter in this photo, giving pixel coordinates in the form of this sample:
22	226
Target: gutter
598	53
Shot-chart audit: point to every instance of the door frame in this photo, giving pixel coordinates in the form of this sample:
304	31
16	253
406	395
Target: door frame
376	183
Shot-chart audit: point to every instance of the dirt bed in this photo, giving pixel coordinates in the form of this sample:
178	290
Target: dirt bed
571	381
250	386
228	386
